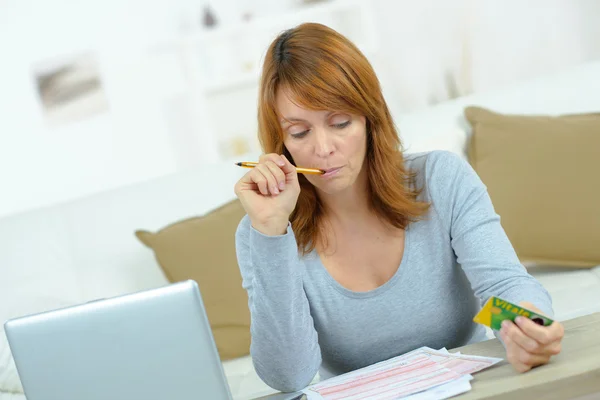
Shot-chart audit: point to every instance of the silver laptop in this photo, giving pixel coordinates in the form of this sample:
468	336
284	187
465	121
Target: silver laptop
151	345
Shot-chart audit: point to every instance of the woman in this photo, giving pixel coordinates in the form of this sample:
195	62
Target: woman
385	252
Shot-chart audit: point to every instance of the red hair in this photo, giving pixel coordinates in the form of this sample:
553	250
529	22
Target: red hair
323	70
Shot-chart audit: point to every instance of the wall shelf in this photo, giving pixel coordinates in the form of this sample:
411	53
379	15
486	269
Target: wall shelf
221	70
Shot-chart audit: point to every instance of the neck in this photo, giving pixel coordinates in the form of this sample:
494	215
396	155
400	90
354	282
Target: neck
351	204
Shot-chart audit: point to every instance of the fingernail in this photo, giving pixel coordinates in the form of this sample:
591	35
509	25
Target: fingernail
519	320
275	190
505	324
281	185
280	163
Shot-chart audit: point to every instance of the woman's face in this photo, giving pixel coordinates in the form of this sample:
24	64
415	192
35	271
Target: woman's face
330	140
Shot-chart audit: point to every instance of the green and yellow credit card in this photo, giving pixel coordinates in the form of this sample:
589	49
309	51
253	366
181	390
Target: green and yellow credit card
497	310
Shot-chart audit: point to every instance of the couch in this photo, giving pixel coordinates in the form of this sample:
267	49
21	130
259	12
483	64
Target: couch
86	249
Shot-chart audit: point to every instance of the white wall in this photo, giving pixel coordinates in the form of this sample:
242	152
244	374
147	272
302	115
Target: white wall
430	50
147	131
516	40
40	165
420	44
480	44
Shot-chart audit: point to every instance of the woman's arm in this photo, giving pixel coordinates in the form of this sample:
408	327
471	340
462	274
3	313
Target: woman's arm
285	350
489	260
477	237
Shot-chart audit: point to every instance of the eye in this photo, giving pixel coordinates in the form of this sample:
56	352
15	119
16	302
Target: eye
341	125
299	135
298	130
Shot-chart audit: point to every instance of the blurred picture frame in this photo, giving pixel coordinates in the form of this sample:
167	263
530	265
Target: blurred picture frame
70	88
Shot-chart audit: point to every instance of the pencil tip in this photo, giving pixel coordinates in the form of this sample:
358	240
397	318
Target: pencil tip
239	164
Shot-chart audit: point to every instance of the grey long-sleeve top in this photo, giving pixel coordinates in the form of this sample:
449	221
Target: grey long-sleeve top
454	260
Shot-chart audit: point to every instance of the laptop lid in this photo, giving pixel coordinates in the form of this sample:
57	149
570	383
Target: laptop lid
151	345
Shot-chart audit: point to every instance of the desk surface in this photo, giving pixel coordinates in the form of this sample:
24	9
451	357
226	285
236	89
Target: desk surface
574	373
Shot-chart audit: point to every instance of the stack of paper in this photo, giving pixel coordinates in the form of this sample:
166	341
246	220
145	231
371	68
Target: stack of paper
422	374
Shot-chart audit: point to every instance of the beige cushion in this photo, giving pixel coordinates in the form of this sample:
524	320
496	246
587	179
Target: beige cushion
543	175
203	249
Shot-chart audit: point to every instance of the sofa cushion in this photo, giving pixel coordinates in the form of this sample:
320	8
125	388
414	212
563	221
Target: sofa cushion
542	175
203	249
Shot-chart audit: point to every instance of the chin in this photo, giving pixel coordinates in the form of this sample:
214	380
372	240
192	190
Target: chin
333	186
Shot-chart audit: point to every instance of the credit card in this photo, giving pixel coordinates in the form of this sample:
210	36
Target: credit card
497	310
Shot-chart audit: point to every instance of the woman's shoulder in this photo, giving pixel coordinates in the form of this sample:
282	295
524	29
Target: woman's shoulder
435	168
445	179
436	161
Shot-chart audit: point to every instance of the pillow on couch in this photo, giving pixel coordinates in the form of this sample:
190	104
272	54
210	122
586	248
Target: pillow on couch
203	249
543	175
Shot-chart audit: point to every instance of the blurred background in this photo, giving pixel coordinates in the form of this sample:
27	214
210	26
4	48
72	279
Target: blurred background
95	95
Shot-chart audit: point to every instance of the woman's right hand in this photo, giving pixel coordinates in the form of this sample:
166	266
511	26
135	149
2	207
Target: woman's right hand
268	193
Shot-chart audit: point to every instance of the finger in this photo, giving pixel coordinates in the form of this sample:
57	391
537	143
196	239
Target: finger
511	333
277	173
245	186
259	179
245	183
524	361
288	168
252	186
521	368
532	360
276	158
519	358
556	330
511	354
521	339
543	334
554	348
270	178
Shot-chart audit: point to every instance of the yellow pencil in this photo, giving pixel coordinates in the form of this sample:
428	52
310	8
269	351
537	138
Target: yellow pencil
311	171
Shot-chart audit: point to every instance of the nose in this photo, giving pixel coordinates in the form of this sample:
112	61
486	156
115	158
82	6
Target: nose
323	143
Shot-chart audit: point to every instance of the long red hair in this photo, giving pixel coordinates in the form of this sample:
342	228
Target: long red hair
323	70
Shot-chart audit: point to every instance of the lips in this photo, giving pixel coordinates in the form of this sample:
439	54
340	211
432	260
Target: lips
331	171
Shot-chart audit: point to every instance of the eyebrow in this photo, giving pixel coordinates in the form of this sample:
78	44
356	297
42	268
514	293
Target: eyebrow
293	119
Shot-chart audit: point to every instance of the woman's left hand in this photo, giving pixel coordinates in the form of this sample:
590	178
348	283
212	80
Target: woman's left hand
529	344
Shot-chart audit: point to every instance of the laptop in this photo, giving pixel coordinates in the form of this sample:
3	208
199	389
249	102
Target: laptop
151	345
